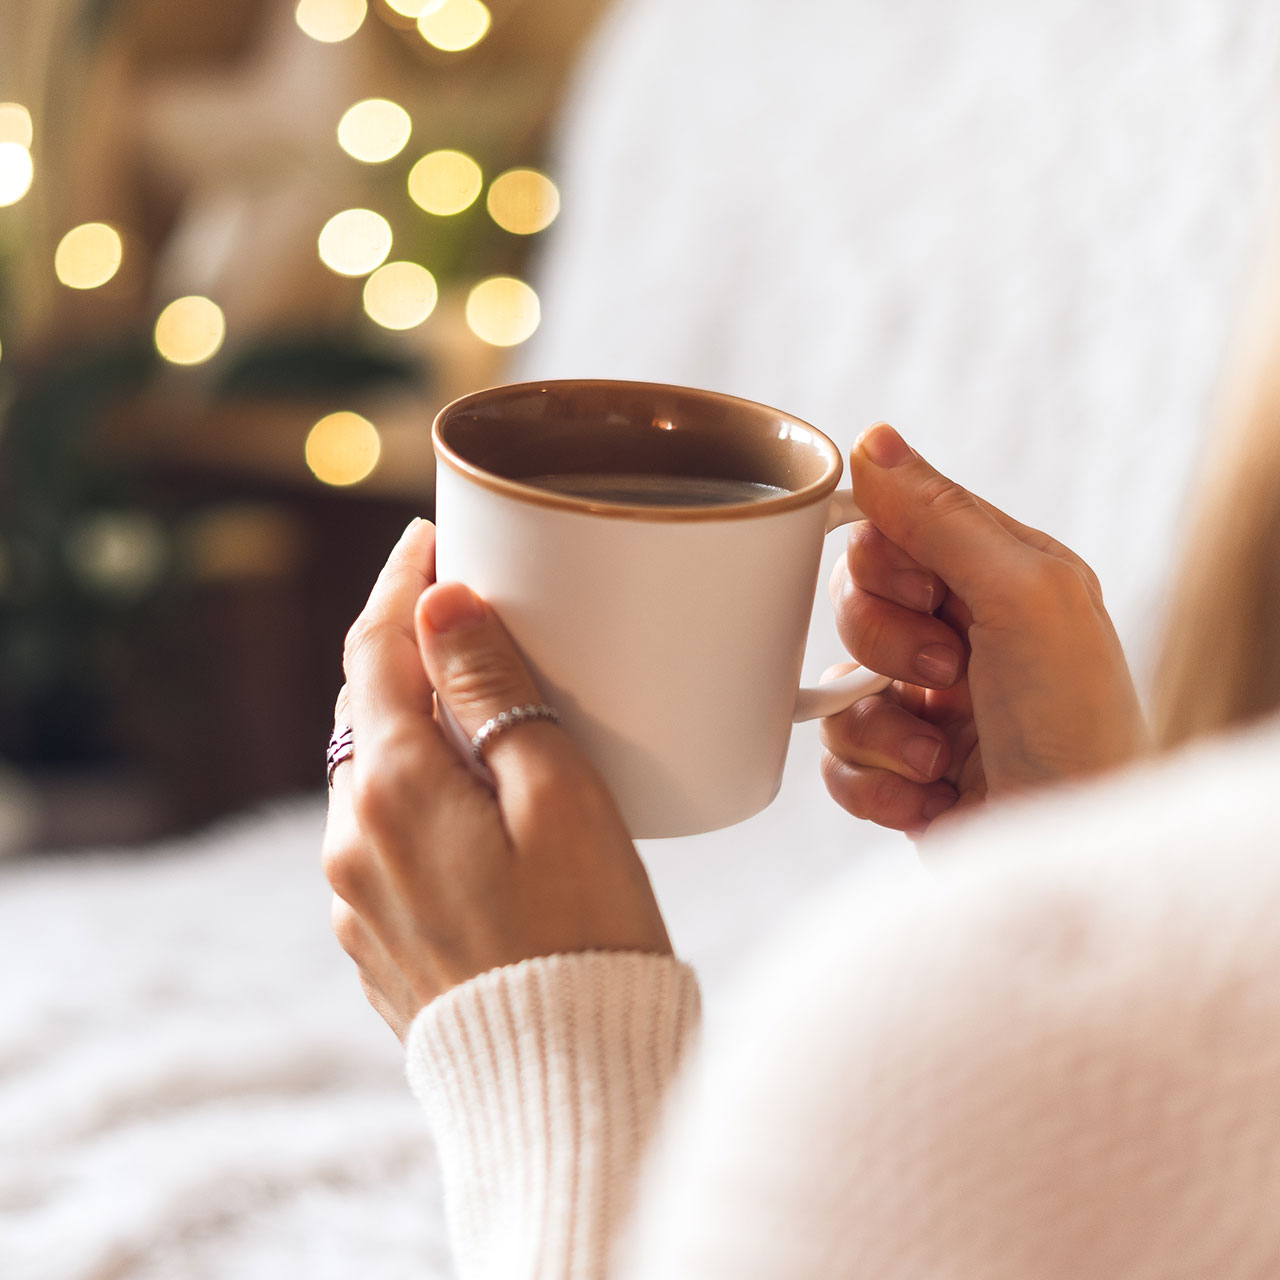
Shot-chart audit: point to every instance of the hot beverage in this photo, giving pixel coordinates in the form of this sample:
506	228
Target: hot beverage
640	490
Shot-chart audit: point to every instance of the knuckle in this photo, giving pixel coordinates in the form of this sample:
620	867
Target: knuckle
347	927
364	634
483	678
388	789
870	794
346	871
941	498
1061	586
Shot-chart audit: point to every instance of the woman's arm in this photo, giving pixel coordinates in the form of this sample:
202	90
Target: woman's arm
507	931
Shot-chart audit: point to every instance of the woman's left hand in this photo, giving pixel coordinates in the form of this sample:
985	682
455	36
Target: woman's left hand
437	876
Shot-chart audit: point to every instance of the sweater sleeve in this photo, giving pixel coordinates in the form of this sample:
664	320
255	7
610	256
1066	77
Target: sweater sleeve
542	1082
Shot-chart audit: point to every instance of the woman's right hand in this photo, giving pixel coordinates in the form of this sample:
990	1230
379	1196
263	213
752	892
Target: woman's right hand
1008	672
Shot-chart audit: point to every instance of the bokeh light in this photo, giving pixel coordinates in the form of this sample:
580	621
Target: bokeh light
15	124
355	242
118	553
15	172
503	311
88	255
523	201
414	8
374	130
400	295
343	448
190	330
455	24
330	21
445	182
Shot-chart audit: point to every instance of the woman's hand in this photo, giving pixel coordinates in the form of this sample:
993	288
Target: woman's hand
1008	671
437	875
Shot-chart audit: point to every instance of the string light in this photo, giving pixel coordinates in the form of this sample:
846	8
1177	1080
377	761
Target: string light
400	295
445	182
455	24
503	311
374	130
355	242
330	21
15	124
88	255
190	330
16	172
523	201
343	448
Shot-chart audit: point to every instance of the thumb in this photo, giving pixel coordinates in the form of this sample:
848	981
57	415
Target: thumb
937	522
478	673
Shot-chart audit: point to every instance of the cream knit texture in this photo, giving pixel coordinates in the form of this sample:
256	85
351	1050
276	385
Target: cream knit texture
542	1082
1058	1059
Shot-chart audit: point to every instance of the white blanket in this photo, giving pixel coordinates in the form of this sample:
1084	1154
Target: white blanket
1022	232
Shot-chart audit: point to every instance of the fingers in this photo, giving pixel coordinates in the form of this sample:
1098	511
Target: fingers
944	528
884	797
386	685
478	673
898	641
879	733
883	568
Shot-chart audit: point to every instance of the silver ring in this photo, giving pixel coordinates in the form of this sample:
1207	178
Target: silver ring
517	715
341	748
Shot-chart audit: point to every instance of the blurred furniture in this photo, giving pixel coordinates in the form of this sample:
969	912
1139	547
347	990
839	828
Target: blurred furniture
207	135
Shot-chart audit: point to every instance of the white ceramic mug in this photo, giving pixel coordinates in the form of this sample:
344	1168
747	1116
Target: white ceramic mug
670	638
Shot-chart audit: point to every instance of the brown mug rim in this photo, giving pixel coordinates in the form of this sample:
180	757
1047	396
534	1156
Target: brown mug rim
789	500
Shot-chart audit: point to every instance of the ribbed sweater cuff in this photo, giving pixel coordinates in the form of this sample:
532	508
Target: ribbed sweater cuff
542	1082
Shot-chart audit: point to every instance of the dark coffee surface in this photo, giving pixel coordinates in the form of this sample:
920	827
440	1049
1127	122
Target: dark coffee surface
655	490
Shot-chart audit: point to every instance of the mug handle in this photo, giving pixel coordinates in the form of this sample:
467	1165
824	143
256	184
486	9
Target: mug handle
816	701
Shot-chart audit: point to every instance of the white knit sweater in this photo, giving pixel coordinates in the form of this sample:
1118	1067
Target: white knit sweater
1060	1058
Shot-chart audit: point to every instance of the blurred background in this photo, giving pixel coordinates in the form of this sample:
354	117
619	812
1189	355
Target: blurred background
247	250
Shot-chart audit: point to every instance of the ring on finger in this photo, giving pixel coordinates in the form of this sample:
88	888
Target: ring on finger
341	749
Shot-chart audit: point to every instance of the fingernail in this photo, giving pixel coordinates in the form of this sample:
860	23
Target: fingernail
408	529
884	446
922	755
914	589
451	607
938	665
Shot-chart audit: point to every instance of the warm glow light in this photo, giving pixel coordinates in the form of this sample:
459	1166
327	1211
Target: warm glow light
374	130
355	241
330	20
400	295
445	182
523	201
455	24
15	124
88	255
190	330
503	311
15	172
119	553
414	8
343	448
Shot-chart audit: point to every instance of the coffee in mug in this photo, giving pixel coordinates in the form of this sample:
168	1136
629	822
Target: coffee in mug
654	552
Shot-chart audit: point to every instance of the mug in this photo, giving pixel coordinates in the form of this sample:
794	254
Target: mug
654	552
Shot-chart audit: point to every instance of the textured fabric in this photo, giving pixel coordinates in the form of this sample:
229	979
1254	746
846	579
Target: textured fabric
1061	1058
542	1081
